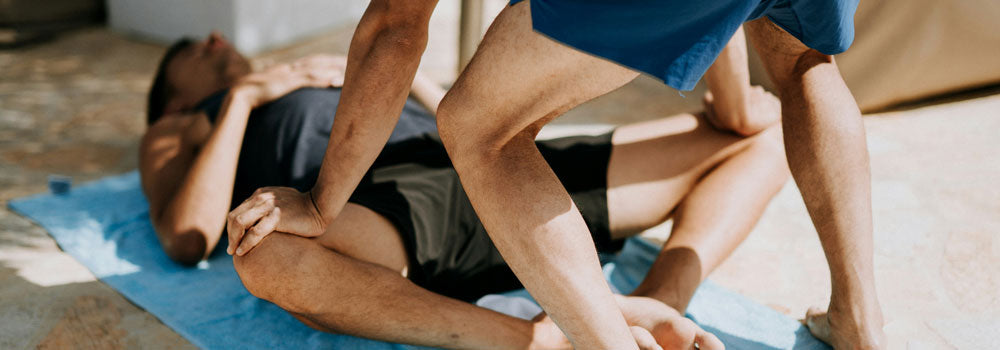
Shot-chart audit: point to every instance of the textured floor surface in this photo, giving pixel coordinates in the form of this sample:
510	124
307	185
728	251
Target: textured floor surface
74	107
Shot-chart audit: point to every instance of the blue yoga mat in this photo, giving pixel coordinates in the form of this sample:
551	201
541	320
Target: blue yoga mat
105	225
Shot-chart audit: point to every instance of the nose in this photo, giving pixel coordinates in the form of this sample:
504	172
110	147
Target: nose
215	40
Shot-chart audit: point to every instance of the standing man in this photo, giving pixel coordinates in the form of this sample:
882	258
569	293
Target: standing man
520	79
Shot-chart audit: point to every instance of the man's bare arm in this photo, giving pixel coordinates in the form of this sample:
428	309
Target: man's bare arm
188	193
730	102
382	61
189	166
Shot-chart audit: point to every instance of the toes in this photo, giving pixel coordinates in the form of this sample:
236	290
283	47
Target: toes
643	339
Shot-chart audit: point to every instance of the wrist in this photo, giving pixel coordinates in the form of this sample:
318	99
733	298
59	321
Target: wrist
321	221
245	95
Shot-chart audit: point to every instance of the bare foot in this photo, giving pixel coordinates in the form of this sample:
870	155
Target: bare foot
844	332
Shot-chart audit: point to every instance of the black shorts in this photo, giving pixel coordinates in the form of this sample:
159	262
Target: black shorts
414	185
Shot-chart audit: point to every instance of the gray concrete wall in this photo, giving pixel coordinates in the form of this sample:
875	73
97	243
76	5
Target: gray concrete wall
252	25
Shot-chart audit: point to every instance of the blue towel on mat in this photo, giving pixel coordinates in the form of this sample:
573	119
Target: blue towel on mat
105	225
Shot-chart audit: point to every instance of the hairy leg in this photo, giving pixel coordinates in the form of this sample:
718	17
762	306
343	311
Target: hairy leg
517	82
716	186
828	156
334	292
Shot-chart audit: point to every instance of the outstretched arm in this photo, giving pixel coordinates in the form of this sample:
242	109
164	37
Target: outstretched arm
382	60
729	104
381	63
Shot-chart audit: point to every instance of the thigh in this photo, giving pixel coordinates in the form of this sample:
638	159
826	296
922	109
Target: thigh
519	80
780	52
360	233
655	164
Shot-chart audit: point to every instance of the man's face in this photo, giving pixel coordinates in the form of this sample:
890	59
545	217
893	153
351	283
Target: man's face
204	68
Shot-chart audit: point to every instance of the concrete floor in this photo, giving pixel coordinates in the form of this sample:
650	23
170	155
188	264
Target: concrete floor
75	107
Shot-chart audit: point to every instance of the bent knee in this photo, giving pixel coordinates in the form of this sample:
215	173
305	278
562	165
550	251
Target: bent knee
769	147
470	140
786	58
263	267
769	141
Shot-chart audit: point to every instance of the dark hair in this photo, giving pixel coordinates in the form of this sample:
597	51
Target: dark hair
162	91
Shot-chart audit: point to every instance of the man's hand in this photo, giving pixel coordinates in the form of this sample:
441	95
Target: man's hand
762	111
274	82
547	336
653	324
842	331
671	329
272	209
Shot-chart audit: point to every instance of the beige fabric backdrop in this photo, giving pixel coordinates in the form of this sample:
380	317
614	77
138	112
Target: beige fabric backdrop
909	49
904	50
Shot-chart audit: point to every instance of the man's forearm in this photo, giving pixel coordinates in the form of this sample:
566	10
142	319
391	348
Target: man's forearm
736	105
383	57
203	198
728	79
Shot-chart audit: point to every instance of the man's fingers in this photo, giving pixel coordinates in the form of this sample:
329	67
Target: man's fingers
264	227
243	221
233	229
246	215
644	339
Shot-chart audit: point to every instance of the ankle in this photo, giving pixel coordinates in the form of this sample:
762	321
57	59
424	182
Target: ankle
858	314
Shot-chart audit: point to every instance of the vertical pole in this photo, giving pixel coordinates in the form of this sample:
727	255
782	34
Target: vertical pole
470	31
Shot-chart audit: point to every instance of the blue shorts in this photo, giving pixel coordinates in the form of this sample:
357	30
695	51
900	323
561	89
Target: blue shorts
677	40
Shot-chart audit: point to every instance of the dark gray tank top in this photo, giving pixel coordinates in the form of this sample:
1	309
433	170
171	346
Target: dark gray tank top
286	139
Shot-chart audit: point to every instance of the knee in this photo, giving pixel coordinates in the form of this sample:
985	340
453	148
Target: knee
769	147
787	59
471	137
789	75
265	270
461	138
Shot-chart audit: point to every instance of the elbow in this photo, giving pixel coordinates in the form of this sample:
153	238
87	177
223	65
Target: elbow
745	127
757	113
186	247
401	22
